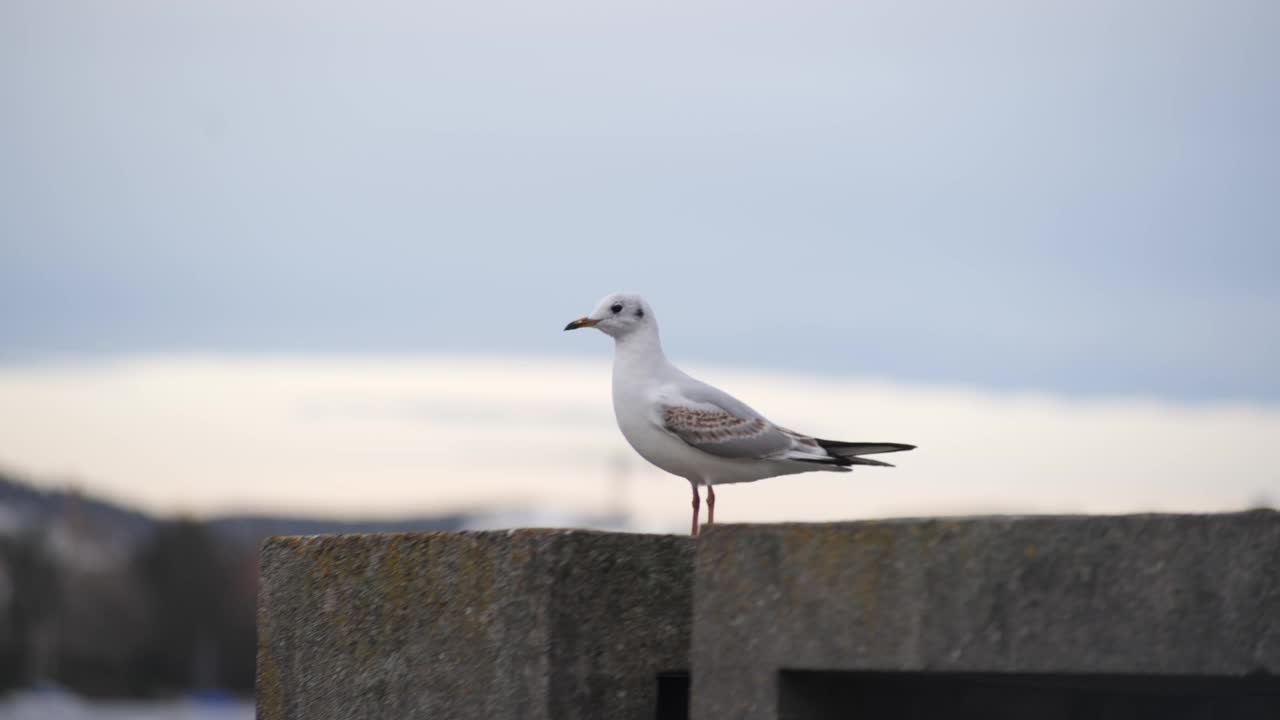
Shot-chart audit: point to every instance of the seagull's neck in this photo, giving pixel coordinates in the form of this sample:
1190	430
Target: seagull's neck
639	352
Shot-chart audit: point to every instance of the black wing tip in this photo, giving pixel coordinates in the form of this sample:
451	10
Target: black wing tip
867	461
869	448
836	464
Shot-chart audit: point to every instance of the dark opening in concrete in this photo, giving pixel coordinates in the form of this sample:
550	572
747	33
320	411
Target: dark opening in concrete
809	695
673	695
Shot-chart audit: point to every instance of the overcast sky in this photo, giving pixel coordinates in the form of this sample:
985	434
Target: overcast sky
1076	197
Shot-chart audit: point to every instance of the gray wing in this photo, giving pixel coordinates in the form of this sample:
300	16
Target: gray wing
718	423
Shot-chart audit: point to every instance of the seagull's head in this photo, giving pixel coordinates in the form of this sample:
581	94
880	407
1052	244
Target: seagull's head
618	315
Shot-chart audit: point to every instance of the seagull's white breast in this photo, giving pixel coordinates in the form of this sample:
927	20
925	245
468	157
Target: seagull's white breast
634	402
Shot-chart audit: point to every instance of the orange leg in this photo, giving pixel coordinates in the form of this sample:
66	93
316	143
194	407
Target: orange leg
711	505
696	503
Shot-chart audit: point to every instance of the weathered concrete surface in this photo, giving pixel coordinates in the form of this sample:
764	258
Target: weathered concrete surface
1144	594
521	624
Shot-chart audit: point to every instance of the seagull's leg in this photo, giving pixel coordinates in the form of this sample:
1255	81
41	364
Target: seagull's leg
711	504
696	502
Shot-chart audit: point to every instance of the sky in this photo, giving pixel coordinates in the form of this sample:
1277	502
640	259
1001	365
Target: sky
1070	200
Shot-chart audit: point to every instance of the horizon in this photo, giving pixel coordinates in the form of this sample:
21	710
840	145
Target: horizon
212	435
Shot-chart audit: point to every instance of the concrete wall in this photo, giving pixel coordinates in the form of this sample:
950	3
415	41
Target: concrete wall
536	624
1159	595
800	621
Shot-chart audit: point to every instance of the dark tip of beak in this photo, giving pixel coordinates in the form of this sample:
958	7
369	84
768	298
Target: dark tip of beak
581	323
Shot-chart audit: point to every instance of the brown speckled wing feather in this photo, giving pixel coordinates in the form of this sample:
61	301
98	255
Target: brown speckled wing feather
720	432
710	425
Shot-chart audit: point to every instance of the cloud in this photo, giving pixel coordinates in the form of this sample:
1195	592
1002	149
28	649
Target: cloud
389	435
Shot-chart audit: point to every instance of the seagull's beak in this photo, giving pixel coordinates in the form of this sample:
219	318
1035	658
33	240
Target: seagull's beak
581	323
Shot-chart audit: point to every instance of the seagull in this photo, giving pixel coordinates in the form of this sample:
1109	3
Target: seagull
698	432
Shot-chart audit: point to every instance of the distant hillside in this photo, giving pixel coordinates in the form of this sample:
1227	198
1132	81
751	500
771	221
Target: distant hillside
32	506
25	506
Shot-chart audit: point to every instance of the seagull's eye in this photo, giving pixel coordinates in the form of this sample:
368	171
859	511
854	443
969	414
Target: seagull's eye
617	308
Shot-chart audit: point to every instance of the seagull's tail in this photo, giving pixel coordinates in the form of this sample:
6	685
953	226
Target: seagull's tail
848	453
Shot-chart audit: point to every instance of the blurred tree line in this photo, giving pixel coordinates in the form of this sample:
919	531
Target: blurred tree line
173	613
107	601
